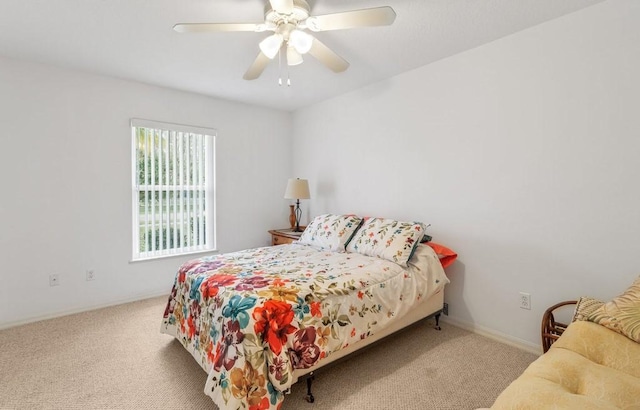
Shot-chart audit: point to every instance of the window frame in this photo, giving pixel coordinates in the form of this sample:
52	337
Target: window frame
208	210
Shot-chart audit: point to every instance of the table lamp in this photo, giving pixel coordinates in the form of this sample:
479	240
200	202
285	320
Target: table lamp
297	189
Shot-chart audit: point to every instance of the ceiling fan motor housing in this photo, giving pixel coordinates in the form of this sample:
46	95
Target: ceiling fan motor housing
300	12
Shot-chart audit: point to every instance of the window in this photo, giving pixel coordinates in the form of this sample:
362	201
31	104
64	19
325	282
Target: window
173	189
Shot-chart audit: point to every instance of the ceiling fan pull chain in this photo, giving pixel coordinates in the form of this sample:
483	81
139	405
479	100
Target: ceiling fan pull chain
280	67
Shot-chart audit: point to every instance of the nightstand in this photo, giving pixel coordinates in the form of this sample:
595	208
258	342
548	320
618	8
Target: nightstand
283	236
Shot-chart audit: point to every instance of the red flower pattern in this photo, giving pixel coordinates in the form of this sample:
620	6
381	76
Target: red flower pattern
253	282
273	323
186	267
315	309
277	367
263	405
305	352
227	351
211	286
192	327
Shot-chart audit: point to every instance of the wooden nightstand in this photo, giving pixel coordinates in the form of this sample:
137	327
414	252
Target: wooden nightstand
283	236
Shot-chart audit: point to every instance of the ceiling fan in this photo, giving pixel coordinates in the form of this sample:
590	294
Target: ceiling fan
288	20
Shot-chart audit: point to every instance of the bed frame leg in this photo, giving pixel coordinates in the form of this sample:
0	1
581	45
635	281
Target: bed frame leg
309	398
438	322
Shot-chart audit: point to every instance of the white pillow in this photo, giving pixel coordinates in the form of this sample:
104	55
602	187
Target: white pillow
330	232
387	239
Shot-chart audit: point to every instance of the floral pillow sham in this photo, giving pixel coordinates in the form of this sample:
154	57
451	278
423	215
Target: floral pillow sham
387	239
622	314
330	232
585	307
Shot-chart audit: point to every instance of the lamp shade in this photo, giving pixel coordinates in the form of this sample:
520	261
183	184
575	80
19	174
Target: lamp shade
297	189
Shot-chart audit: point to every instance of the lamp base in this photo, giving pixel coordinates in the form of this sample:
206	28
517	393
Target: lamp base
292	218
298	216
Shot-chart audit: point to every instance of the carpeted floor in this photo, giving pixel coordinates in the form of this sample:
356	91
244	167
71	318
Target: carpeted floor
116	358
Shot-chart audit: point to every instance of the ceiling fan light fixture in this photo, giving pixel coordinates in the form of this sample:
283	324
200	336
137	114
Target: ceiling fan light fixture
271	45
301	41
293	57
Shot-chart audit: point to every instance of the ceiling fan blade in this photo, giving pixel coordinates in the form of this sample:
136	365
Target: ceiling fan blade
327	57
257	67
282	6
213	27
378	16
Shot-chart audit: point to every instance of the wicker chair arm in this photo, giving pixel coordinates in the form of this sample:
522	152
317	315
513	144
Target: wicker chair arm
552	330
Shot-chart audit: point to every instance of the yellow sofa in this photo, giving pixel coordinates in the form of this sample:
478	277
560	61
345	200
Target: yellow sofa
588	367
594	364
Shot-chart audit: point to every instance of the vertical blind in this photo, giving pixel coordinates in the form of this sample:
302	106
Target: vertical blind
173	189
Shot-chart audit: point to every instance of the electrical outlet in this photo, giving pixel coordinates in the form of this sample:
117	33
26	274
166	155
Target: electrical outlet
445	309
525	301
54	279
91	274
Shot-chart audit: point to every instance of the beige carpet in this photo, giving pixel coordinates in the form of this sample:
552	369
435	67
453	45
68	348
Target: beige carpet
116	358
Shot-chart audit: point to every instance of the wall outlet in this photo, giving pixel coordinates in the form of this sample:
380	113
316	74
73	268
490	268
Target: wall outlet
54	279
525	301
91	274
445	309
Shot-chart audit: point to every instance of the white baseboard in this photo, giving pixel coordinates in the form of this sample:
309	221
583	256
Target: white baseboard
497	336
82	309
481	330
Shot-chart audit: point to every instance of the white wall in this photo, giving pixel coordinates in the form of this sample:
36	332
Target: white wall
523	154
65	169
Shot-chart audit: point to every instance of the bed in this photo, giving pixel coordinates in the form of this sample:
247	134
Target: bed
257	320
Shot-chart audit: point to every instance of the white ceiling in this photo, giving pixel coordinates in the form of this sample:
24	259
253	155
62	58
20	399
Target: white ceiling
133	39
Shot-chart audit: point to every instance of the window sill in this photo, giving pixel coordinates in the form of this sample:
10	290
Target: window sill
176	255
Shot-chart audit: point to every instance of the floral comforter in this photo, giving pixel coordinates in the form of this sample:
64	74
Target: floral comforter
251	317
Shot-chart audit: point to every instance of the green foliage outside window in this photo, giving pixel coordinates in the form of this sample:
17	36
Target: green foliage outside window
171	241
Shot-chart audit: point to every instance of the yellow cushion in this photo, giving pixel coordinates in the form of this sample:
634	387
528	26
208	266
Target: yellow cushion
602	347
589	367
622	314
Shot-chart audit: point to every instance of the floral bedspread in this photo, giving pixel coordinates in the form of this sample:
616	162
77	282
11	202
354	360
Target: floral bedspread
251	317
